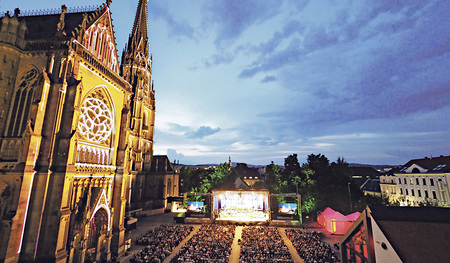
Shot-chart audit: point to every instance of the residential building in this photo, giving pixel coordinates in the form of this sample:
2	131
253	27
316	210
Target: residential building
418	182
367	179
249	175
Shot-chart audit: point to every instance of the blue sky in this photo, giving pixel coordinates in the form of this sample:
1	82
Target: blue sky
259	80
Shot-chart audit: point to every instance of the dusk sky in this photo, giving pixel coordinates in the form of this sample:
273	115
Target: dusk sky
260	80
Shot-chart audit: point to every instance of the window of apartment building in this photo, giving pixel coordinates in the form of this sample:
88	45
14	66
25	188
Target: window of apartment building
404	180
410	181
426	194
399	181
417	181
424	181
434	195
431	182
406	191
401	191
412	192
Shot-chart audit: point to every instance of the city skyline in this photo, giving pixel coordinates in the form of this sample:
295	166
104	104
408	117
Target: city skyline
258	81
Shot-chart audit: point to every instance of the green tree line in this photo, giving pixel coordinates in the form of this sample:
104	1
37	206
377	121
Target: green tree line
320	183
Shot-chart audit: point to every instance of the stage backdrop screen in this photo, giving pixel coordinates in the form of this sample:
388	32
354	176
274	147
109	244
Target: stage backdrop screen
287	208
195	206
242	200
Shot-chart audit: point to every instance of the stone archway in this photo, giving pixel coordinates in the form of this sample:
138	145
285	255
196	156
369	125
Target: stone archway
98	237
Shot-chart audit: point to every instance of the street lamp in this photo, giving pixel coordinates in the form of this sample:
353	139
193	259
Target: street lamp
299	205
350	197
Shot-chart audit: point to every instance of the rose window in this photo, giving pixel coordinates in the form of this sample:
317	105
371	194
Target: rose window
95	120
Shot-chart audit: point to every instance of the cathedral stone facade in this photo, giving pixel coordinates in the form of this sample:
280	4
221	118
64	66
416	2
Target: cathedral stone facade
76	130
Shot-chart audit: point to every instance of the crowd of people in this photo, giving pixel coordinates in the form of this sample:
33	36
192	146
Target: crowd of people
160	242
211	243
310	247
263	244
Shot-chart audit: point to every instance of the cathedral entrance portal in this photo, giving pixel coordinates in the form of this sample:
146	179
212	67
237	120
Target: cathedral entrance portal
98	238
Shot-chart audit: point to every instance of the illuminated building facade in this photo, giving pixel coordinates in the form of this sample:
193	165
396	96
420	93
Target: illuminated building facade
76	129
420	181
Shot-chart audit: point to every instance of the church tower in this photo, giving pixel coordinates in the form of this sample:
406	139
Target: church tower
136	68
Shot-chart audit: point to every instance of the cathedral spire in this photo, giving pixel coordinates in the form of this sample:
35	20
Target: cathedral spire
136	51
139	35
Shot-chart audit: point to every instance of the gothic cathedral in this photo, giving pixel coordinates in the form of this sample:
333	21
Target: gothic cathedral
76	130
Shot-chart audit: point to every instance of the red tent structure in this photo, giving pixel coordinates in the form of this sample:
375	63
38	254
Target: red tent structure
321	217
335	222
354	216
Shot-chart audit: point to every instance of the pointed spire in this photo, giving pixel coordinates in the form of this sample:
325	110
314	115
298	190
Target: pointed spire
140	23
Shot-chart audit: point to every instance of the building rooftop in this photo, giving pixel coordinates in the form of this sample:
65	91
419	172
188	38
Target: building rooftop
418	234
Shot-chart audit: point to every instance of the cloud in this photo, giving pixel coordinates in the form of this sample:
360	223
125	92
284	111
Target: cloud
381	76
233	17
342	78
173	155
217	59
202	132
290	55
177	28
292	27
268	79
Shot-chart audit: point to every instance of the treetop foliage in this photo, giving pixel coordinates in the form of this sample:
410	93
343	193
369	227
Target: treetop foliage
321	183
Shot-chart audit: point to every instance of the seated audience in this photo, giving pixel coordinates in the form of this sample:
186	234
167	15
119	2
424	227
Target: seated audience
212	243
263	244
310	248
160	242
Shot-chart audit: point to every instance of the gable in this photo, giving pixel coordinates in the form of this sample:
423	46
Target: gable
384	251
413	168
99	39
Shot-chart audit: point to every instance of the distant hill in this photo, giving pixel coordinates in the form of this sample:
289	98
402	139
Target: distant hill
379	167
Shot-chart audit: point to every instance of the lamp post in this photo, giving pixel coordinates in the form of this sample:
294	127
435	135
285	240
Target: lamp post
350	197
299	205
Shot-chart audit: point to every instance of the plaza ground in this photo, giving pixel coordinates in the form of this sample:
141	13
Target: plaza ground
145	224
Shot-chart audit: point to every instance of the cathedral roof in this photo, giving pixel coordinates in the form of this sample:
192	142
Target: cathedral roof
45	24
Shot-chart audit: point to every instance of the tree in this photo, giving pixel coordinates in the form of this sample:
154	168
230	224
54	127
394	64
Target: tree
195	180
224	177
333	183
273	178
307	189
291	174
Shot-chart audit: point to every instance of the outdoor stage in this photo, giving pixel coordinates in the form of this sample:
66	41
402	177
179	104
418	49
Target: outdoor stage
241	207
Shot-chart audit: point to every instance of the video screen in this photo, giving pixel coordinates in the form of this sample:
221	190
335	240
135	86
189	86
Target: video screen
195	206
287	208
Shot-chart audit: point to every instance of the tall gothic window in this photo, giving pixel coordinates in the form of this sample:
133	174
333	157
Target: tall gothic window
23	98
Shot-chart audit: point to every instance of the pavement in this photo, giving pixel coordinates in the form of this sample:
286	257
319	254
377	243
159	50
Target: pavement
145	224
